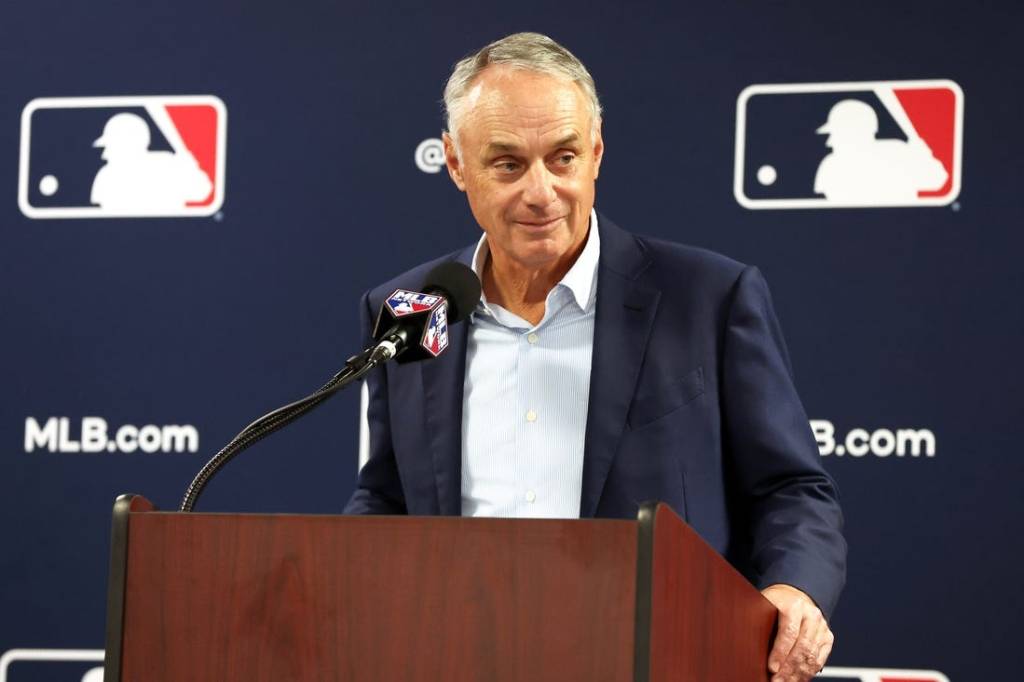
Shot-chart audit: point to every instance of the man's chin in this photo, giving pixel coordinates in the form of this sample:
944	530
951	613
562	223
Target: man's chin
539	255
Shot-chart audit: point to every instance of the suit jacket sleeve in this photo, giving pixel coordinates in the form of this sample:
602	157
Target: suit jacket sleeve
379	489
796	522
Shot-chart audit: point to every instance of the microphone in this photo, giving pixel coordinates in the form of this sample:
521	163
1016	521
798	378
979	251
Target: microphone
413	325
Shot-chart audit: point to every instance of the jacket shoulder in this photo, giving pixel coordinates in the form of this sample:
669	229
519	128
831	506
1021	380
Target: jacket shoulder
676	265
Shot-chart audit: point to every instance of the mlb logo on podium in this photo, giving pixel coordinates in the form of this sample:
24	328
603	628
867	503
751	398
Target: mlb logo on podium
107	157
849	145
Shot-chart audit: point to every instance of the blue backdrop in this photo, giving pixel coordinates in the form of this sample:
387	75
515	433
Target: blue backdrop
898	319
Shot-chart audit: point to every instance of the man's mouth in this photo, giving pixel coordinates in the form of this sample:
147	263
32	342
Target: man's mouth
539	224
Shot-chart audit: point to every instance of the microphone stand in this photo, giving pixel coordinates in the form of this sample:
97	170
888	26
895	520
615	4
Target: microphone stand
355	369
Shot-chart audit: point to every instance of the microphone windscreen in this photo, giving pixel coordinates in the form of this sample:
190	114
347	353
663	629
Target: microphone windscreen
459	284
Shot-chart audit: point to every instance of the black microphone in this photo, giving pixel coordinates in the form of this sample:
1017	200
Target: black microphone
413	325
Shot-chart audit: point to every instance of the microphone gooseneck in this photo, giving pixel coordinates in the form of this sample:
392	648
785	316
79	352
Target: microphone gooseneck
356	368
451	289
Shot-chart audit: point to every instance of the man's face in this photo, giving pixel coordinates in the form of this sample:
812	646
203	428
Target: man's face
528	164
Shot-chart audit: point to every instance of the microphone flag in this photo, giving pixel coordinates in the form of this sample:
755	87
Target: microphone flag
424	315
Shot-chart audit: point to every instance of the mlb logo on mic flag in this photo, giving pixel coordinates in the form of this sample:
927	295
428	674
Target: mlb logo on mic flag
849	145
435	337
106	157
402	302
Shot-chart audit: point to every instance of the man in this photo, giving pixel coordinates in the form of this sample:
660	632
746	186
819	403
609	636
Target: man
601	369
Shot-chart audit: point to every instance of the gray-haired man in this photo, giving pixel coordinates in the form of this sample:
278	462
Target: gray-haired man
578	389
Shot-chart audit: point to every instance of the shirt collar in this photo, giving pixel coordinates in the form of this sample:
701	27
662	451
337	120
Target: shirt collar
581	279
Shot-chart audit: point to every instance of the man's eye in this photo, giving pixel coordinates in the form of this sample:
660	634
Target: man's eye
565	159
507	166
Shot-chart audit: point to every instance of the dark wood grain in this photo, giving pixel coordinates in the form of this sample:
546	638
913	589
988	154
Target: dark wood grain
708	623
124	505
279	597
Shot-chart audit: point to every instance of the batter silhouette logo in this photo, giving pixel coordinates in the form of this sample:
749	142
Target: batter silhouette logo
849	145
106	157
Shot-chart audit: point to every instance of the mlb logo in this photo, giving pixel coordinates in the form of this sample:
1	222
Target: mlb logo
849	145
834	674
402	303
435	337
105	157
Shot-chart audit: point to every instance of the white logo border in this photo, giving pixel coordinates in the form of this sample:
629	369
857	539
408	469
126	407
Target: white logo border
790	88
118	101
15	655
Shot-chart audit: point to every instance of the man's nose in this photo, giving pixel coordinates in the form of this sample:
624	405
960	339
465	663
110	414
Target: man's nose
540	186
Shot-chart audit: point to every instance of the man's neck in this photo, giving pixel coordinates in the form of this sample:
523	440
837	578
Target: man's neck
523	291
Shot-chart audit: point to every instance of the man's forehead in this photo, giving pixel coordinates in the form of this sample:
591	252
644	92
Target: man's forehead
505	88
504	106
474	94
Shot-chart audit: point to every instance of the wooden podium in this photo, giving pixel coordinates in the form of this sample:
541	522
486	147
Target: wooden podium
248	597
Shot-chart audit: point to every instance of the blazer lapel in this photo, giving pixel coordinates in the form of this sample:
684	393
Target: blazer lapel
443	381
626	306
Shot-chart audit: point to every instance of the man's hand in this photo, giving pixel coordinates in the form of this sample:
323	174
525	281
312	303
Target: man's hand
804	640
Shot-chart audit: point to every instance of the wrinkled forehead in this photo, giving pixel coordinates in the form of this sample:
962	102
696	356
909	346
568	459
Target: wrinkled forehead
506	96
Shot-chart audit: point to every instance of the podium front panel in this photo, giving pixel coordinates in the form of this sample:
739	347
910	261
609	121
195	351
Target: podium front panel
280	597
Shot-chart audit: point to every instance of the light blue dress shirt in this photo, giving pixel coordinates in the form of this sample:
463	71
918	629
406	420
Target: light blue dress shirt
525	398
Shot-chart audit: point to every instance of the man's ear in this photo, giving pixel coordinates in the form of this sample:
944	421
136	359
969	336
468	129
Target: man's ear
452	161
598	149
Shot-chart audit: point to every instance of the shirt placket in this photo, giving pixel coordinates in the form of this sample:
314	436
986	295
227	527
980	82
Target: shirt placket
530	423
536	412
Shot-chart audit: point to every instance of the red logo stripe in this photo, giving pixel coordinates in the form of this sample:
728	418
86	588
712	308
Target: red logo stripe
197	125
933	113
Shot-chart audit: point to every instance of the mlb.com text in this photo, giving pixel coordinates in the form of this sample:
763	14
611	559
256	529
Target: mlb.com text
879	443
94	435
55	435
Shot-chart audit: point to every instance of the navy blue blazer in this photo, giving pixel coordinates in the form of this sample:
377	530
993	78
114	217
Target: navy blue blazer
692	403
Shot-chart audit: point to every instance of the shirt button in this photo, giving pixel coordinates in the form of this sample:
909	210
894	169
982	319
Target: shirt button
531	416
531	496
532	338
